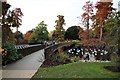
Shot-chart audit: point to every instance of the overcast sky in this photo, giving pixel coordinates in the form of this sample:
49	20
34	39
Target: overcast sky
37	10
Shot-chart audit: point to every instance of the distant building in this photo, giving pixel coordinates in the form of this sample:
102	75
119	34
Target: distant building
119	6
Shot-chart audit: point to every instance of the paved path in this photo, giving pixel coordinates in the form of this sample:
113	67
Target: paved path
26	67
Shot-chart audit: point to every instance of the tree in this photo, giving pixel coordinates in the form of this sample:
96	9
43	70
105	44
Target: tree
7	34
82	34
86	16
91	33
95	26
50	35
40	33
72	33
111	22
112	31
19	37
96	32
113	37
59	31
103	11
9	19
27	35
17	14
8	40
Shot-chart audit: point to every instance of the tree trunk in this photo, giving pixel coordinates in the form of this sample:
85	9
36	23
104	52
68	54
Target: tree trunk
88	29
101	33
118	41
101	29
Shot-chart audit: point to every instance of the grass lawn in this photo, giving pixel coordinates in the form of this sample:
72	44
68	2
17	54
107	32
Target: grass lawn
77	70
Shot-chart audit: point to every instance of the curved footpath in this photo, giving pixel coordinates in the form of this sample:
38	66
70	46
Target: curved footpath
24	68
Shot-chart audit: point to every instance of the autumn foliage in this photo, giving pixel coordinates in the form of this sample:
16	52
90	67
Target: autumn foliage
104	9
27	36
82	34
93	43
86	16
98	18
59	31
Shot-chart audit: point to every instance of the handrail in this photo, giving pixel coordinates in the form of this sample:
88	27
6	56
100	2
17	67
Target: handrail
50	49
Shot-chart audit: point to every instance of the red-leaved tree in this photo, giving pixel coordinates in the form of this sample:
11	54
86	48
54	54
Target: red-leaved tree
86	16
103	11
27	35
82	34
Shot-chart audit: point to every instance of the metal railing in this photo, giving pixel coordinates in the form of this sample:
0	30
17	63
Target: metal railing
25	46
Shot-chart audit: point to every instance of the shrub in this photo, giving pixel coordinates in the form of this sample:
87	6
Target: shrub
93	43
75	58
64	58
61	58
10	53
115	59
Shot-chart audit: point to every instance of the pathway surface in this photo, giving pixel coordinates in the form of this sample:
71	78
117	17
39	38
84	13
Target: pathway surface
26	67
